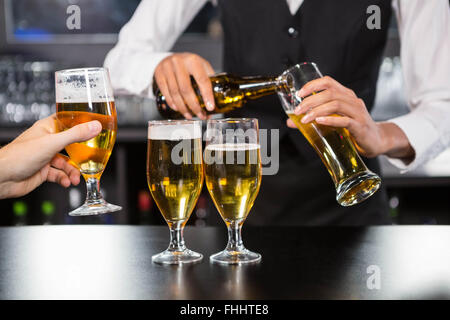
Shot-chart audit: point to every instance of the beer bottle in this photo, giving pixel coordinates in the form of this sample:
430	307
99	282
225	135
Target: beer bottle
230	92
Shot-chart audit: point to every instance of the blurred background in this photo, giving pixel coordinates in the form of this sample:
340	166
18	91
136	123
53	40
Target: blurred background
34	42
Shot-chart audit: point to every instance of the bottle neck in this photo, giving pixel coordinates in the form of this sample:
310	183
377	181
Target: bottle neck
256	87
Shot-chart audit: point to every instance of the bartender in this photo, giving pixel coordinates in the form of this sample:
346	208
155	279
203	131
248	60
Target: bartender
265	37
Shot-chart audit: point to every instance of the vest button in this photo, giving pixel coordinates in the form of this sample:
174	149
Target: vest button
292	32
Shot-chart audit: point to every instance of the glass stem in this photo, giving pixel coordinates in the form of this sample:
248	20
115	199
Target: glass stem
234	237
93	190
176	238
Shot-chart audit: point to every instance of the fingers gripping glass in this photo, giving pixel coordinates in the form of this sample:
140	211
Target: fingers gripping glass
233	177
83	95
353	181
175	180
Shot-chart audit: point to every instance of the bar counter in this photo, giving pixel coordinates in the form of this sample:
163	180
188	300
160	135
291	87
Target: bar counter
114	262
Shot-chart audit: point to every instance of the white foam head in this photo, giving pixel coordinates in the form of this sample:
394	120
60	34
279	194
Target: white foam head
178	131
83	85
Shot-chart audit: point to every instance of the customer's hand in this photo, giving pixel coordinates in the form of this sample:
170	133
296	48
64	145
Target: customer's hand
33	157
332	98
173	78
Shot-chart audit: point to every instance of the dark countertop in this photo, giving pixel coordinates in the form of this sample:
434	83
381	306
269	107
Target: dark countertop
114	262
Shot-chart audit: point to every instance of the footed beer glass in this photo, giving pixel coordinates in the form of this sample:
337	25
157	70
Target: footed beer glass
175	180
233	177
83	95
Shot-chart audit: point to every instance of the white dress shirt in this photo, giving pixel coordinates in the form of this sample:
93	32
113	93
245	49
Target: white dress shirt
424	28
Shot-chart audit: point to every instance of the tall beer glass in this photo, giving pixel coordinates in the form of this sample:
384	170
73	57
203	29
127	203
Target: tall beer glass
175	180
353	181
83	95
233	177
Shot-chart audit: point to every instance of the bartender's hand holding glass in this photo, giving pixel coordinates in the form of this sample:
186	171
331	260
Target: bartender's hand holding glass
33	158
172	76
324	98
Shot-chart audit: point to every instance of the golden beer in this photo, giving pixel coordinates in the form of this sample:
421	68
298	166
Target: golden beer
233	177
338	153
175	187
90	156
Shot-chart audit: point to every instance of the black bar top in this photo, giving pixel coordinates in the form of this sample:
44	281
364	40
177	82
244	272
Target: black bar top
114	262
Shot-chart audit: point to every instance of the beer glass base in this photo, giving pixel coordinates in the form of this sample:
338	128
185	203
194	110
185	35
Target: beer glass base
358	188
235	257
177	257
93	209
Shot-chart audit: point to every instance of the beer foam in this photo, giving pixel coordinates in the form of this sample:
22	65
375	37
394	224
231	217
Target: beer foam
81	99
83	86
175	131
233	147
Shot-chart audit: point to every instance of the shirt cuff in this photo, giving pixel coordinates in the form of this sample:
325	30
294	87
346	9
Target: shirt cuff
423	137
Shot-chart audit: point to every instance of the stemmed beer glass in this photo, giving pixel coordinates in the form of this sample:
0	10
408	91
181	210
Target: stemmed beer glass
83	95
233	177
175	180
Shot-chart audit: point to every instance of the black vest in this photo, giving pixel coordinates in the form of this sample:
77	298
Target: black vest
261	37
